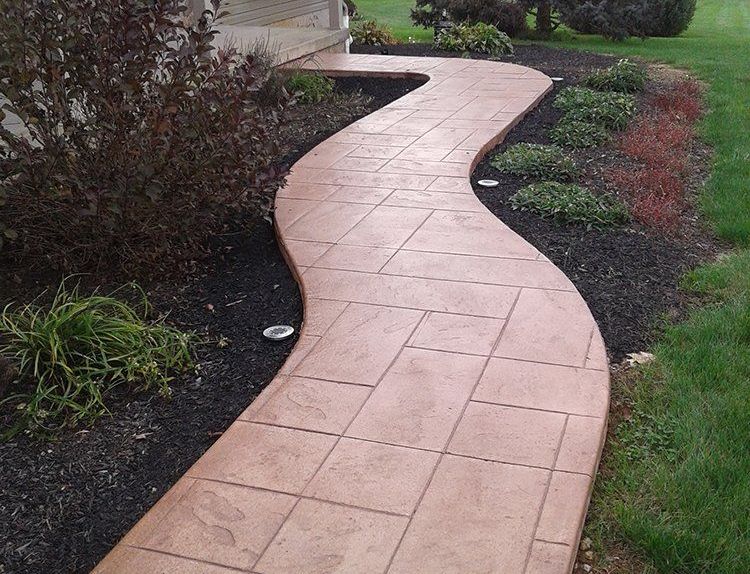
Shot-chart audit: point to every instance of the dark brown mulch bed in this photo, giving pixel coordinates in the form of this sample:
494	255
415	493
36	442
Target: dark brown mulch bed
65	503
629	277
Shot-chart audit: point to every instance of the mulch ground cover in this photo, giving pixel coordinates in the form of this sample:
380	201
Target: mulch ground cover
628	276
65	502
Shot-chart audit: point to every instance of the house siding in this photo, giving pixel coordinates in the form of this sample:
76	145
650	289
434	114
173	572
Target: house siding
293	13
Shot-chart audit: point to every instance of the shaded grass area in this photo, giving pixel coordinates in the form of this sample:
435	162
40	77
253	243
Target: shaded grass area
677	472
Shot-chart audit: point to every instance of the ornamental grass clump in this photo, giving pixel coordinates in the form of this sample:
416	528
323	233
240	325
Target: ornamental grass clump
70	356
536	160
625	76
570	204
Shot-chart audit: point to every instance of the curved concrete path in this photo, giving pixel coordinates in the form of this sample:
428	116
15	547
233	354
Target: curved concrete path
445	407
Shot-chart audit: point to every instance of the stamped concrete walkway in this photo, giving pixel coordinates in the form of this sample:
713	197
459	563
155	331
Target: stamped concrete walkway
445	407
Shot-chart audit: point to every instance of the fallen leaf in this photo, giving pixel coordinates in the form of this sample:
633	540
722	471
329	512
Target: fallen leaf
641	358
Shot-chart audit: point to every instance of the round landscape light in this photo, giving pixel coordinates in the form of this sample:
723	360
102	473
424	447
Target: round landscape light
278	332
557	79
488	183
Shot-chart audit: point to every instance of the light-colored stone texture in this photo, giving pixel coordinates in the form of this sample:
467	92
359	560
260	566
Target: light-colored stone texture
372	475
419	400
323	538
476	516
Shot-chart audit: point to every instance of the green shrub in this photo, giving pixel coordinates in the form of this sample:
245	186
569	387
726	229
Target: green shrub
667	18
508	17
70	356
578	135
625	76
570	204
480	38
610	110
370	33
535	160
309	88
141	146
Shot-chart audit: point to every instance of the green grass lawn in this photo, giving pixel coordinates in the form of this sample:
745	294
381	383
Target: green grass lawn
394	13
678	475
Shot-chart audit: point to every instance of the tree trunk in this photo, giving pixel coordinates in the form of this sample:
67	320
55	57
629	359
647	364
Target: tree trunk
544	19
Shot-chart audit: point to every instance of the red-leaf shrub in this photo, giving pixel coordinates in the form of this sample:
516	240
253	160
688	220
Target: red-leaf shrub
658	141
143	138
681	100
656	195
656	211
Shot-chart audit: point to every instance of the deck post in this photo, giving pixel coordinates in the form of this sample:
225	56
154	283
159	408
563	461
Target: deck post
336	14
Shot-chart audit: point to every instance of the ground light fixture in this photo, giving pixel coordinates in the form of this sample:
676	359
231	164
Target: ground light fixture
488	183
278	332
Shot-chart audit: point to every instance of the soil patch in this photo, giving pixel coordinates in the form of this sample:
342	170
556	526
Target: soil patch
629	277
66	502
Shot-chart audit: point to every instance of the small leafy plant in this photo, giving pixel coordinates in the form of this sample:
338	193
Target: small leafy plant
70	356
625	76
536	160
370	33
479	38
309	88
610	110
578	135
570	204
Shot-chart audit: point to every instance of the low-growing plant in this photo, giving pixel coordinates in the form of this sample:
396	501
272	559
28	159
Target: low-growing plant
479	38
578	135
370	33
569	203
625	76
610	110
308	87
535	160
71	355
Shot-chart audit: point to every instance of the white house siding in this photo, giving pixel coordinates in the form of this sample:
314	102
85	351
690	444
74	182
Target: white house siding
291	13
